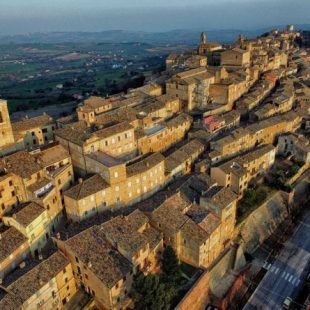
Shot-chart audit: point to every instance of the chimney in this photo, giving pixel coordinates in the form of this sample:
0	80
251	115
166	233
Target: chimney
89	265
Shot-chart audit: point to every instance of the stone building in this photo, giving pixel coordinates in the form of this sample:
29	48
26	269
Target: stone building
198	233
235	57
49	285
295	145
14	249
117	185
32	221
42	177
180	162
164	135
264	132
34	132
105	257
191	87
238	172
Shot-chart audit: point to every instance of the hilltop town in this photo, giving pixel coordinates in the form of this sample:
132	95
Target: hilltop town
205	165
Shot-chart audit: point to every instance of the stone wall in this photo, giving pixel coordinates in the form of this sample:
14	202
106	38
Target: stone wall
262	222
197	297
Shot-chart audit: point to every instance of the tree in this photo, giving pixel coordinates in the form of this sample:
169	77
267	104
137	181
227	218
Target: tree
170	266
249	196
149	292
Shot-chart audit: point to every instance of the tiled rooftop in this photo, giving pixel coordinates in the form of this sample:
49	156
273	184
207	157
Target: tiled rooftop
29	284
76	136
12	163
113	130
11	239
131	232
92	247
87	187
34	122
26	213
145	164
51	155
220	196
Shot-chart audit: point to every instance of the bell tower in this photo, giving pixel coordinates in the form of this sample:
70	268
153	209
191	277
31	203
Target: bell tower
6	132
203	44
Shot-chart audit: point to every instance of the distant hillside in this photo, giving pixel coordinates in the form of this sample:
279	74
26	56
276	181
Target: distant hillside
180	36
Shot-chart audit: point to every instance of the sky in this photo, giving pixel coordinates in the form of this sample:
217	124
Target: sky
24	16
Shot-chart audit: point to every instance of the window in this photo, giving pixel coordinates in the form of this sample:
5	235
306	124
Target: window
92	198
130	194
77	260
113	140
103	193
44	130
59	181
115	174
144	178
13	193
116	188
33	133
106	143
118	199
129	184
86	276
10	182
145	189
119	138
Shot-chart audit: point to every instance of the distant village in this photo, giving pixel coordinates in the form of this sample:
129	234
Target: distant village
185	162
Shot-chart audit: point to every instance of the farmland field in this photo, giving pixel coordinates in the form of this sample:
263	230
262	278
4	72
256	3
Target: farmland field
33	76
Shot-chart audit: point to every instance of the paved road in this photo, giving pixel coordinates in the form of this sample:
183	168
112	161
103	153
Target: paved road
286	274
